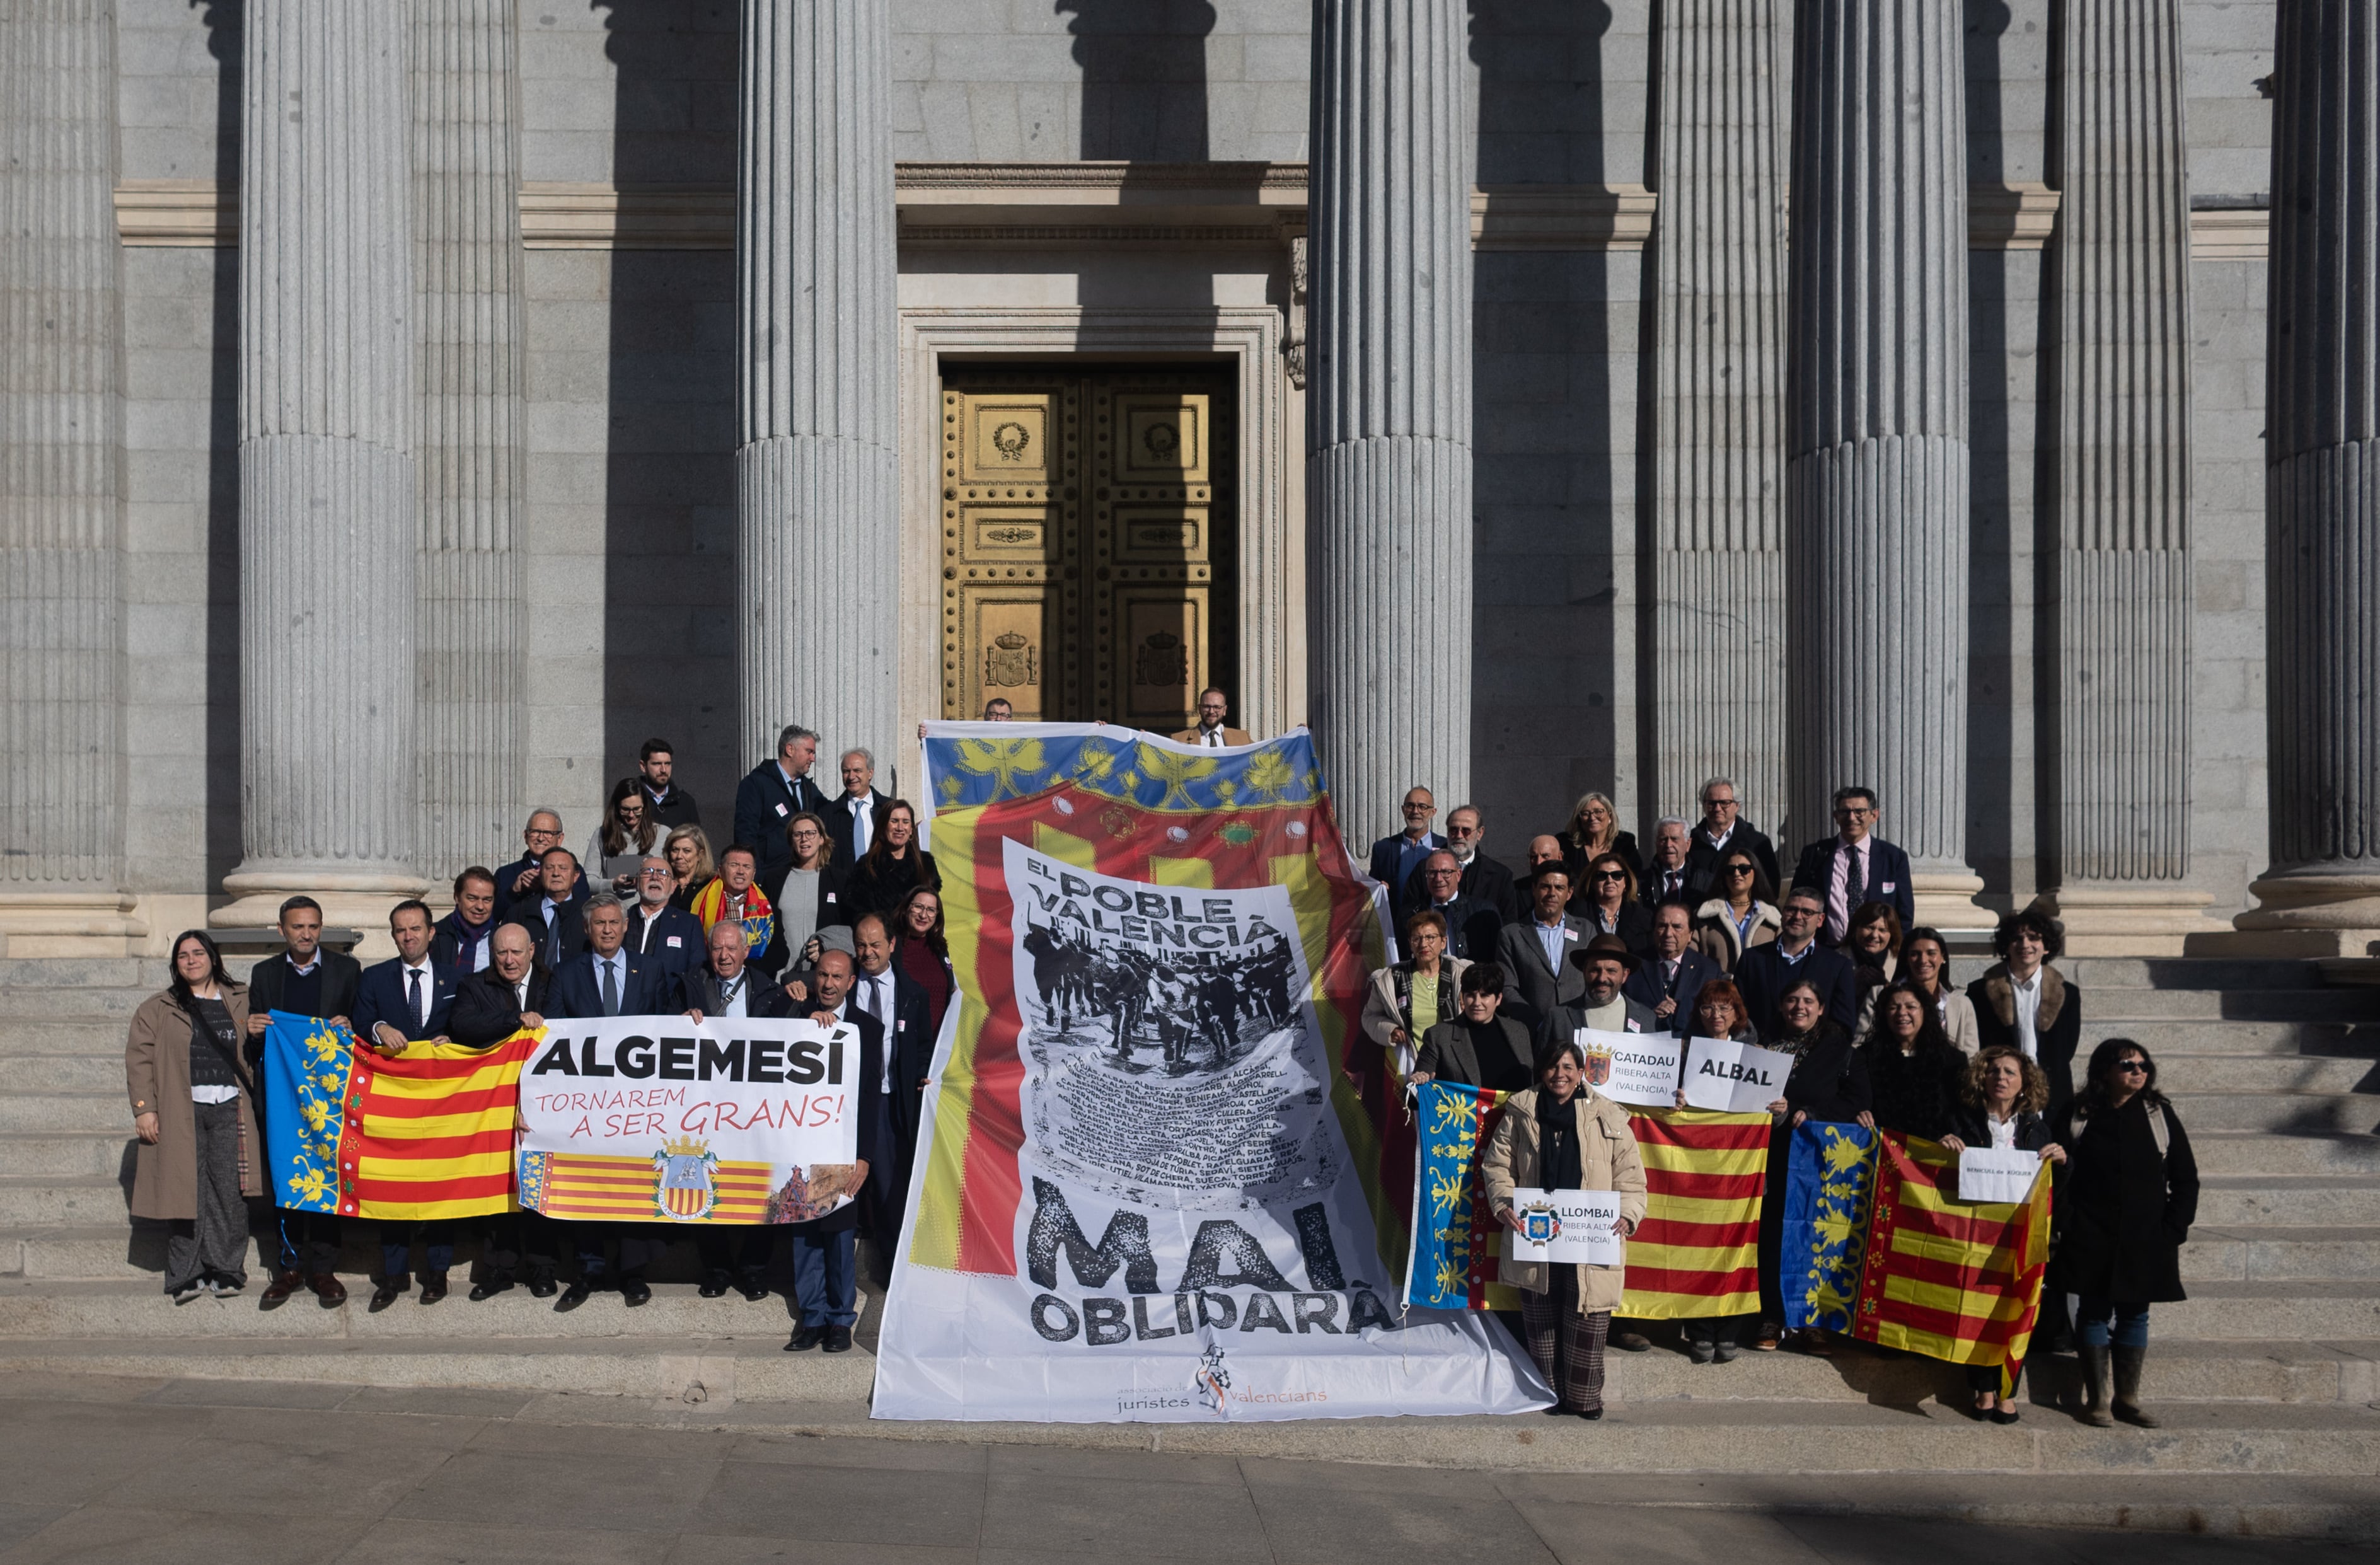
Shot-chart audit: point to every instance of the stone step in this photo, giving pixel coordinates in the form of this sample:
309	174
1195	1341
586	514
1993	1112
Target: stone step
2228	1200
89	1004
2259	1152
147	972
2270	1313
66	1156
2164	1039
23	1034
2243	1005
2268	1073
2282	1253
2175	973
69	1073
2358	1113
50	1201
56	1111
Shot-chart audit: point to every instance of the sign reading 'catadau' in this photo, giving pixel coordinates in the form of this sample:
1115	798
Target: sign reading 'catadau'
1632	1067
657	1119
1190	1241
1734	1077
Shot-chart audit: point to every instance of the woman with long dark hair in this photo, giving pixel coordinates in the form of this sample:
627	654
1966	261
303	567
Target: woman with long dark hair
1925	957
1873	943
2124	1208
1914	1072
2000	1102
191	1092
1741	912
892	866
921	952
616	852
1609	907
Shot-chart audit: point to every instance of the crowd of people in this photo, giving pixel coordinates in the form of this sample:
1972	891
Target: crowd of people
1497	974
830	907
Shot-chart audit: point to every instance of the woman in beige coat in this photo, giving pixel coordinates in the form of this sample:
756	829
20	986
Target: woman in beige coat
189	1085
1408	999
1562	1134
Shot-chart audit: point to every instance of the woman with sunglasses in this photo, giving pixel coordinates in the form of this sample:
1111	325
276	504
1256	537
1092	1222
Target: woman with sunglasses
1609	907
2124	1211
1741	915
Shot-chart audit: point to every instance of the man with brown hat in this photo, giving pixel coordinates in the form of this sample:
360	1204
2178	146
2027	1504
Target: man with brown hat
1605	962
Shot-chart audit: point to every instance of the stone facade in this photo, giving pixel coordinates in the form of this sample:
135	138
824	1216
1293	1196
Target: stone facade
619	425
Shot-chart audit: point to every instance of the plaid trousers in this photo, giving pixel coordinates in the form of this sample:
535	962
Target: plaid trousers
1568	1346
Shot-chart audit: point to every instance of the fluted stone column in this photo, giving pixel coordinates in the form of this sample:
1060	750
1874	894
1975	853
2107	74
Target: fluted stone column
61	744
1718	262
469	626
818	517
327	526
1388	407
2321	554
2120	265
1876	466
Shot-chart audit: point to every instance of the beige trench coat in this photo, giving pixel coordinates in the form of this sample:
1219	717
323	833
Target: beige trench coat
157	1080
1607	1160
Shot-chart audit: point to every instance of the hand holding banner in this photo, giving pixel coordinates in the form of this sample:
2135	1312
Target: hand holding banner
1988	1174
1734	1077
1566	1225
1640	1068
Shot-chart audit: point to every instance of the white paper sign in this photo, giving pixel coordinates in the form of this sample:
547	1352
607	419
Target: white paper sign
1566	1225
1739	1078
1632	1067
1986	1174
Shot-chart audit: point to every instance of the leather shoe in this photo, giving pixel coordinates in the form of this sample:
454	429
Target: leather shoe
714	1285
635	1290
329	1289
389	1291
754	1286
575	1295
838	1339
805	1339
1631	1341
276	1292
542	1285
495	1282
433	1287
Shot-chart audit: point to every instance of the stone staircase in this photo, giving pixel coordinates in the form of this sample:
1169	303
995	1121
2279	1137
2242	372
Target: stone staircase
2272	1366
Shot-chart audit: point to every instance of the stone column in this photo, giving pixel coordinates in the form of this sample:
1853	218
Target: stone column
1876	434
470	768
2120	268
61	425
1719	525
1387	408
816	365
2322	489
327	525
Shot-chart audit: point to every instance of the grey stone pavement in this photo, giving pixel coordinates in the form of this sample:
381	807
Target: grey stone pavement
213	1472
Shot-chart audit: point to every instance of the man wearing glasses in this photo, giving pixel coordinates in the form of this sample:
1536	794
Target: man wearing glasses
1855	866
1394	858
1483	880
516	881
658	932
1763	972
1723	828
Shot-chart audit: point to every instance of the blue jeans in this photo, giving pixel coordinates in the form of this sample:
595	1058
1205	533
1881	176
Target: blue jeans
826	1283
2092	1316
396	1247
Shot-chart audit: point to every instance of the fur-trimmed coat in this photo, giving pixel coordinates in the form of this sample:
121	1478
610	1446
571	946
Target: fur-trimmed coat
2057	1026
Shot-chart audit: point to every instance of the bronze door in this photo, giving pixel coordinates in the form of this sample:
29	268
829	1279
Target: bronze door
1086	542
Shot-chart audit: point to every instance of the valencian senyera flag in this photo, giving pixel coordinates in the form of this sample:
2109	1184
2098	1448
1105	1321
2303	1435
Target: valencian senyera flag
1697	1252
1877	1246
424	1133
1145	1187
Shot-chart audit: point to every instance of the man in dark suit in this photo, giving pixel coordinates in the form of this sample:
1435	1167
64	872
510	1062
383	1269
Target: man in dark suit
555	916
1474	932
657	931
856	817
1667	983
460	940
408	999
490	1007
1535	953
1483	880
733	1256
1395	858
304	980
1855	866
1666	877
1720	828
826	1283
1763	972
608	980
519	880
666	804
773	793
883	991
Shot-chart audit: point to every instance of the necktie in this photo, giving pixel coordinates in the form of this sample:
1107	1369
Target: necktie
1839	897
413	996
520	994
611	989
552	935
868	999
860	822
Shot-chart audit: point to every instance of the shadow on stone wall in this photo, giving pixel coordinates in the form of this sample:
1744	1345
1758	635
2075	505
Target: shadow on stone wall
1143	76
223	790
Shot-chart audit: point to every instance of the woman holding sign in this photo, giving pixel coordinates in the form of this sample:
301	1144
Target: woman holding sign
1562	1134
1999	1108
1719	1012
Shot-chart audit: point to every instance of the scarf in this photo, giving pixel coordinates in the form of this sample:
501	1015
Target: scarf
1557	1154
468	938
759	920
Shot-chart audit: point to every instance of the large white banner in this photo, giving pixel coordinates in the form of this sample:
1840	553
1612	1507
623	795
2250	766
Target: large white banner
1191	1241
657	1119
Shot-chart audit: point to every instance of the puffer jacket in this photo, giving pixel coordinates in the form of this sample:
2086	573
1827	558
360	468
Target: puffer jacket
1607	1160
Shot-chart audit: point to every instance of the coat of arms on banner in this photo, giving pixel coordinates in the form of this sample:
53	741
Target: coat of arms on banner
683	1188
1540	1224
1598	1062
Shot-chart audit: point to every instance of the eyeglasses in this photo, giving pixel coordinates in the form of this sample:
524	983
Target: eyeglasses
1415	806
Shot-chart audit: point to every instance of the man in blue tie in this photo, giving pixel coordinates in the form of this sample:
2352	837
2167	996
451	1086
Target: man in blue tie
406	1000
607	980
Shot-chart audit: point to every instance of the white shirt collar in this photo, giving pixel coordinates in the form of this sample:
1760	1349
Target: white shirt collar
302	972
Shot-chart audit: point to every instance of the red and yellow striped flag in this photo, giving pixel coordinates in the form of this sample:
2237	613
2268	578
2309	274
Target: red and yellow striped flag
428	1132
1698	1253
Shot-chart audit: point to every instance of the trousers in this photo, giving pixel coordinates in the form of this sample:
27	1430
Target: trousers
215	1242
826	1280
1567	1346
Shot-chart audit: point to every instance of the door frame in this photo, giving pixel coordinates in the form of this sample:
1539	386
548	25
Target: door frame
1271	509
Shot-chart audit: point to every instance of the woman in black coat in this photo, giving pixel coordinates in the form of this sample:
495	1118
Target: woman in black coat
1999	1108
2124	1208
1829	1082
892	866
1915	1071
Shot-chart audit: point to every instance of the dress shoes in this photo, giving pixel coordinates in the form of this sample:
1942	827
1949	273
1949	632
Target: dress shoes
277	1291
389	1289
1631	1341
805	1339
754	1286
487	1288
575	1295
635	1290
433	1287
542	1285
329	1289
714	1285
838	1339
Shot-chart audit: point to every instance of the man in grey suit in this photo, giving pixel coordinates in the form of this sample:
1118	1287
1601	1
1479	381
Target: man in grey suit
1535	953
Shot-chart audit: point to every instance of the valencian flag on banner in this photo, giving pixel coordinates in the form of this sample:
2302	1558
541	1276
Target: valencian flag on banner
1877	1246
424	1133
1696	1254
1145	1187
